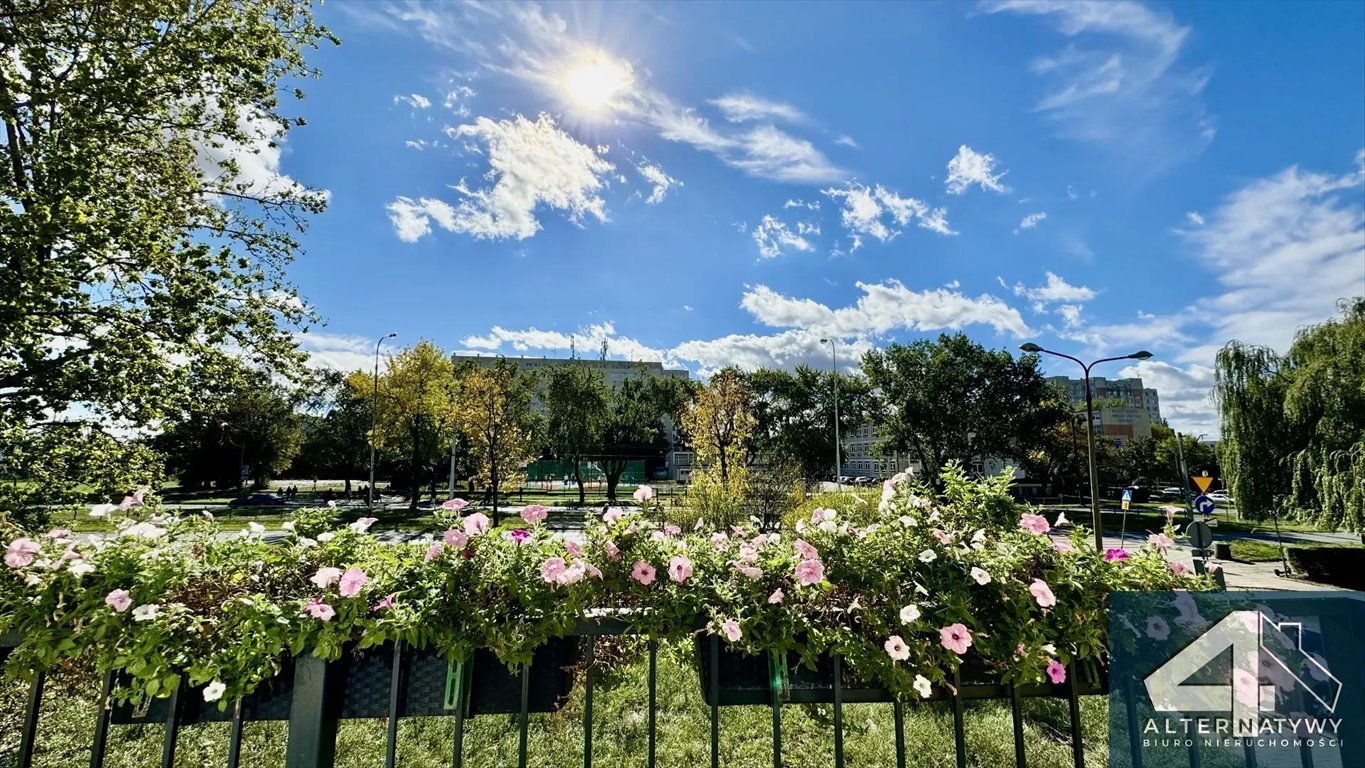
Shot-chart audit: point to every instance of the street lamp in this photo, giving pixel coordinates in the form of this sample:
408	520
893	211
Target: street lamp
1090	429
834	351
374	414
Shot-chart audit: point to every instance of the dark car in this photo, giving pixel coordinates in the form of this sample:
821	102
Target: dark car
258	500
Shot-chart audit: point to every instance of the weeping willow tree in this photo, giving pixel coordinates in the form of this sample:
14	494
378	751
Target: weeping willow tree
1294	425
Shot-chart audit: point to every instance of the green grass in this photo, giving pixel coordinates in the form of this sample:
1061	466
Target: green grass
1255	552
619	734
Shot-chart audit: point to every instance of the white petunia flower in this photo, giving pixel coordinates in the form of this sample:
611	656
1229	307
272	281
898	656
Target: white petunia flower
981	576
214	691
325	537
146	612
81	568
921	685
928	556
909	613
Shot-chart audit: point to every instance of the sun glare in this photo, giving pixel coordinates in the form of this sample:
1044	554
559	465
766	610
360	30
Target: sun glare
592	84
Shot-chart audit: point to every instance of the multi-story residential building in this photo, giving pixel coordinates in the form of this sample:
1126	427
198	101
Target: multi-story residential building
1125	409
860	459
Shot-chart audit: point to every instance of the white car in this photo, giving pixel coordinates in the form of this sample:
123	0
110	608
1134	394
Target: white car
1221	497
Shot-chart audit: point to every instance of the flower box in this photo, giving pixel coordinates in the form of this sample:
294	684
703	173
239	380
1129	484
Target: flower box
429	685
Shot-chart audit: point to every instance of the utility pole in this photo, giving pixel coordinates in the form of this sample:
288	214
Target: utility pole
1184	478
374	413
454	441
834	351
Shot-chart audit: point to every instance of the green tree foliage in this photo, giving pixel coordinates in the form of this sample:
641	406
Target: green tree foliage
1294	425
69	464
639	412
336	444
247	419
493	414
794	416
415	411
952	399
138	248
575	398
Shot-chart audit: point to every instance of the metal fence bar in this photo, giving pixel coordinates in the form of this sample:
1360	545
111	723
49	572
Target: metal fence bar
395	703
235	736
590	641
1130	709
959	728
172	728
838	712
465	668
99	744
313	714
715	702
524	719
30	727
898	711
653	698
775	683
1017	716
1074	701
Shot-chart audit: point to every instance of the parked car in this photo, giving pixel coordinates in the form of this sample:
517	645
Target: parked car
1221	497
1172	492
258	500
862	480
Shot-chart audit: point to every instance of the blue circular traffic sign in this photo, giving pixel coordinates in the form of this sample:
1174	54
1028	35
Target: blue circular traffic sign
1203	504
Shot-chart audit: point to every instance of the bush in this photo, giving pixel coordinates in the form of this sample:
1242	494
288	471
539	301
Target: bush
856	506
1338	565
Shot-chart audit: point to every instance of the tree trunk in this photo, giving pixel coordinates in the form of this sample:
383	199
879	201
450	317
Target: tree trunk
494	483
613	469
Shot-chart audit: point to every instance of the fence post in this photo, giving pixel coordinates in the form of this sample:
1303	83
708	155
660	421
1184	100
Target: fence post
319	689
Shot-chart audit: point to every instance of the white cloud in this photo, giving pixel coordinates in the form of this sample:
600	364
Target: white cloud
742	107
878	212
531	164
1056	288
1117	82
1030	221
1144	333
813	205
660	181
1071	314
969	167
772	236
1185	393
538	47
587	340
786	349
884	307
1195	218
847	141
414	100
1283	249
257	160
339	352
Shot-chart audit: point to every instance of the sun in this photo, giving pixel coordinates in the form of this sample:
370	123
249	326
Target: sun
592	84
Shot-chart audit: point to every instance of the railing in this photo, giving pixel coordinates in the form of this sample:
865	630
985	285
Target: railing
318	700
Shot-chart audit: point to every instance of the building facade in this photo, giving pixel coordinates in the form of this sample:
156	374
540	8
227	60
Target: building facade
1125	409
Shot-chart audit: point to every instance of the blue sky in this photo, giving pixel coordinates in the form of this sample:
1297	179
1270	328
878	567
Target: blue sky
710	184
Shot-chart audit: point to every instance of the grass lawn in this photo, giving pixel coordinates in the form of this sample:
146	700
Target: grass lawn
1255	552
619	734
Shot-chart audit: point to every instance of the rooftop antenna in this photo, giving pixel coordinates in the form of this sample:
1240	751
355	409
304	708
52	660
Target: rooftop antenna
604	349
573	348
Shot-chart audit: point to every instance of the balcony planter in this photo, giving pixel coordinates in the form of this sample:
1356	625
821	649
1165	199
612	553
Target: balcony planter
749	680
431	688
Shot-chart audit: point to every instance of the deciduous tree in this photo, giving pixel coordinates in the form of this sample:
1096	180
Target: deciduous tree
575	398
493	414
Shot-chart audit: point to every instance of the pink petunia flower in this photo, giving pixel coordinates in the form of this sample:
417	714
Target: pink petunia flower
326	577
1035	524
552	569
612	515
1180	569
573	574
59	533
672	530
776	597
455	504
519	536
573	547
1063	546
534	513
1161	541
21	552
1042	593
680	569
592	570
805	551
363	524
476	524
613	551
351	582
385	604
809	572
1056	672
750	572
120	600
455	539
748	553
644	494
434	551
896	648
941	535
956	638
319	610
719	540
642	572
1115	555
731	630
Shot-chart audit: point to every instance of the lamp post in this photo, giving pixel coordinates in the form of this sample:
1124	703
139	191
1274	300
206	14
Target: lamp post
374	414
834	352
1090	429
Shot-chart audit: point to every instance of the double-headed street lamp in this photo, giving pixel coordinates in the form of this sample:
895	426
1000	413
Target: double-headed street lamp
374	413
834	350
1090	429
